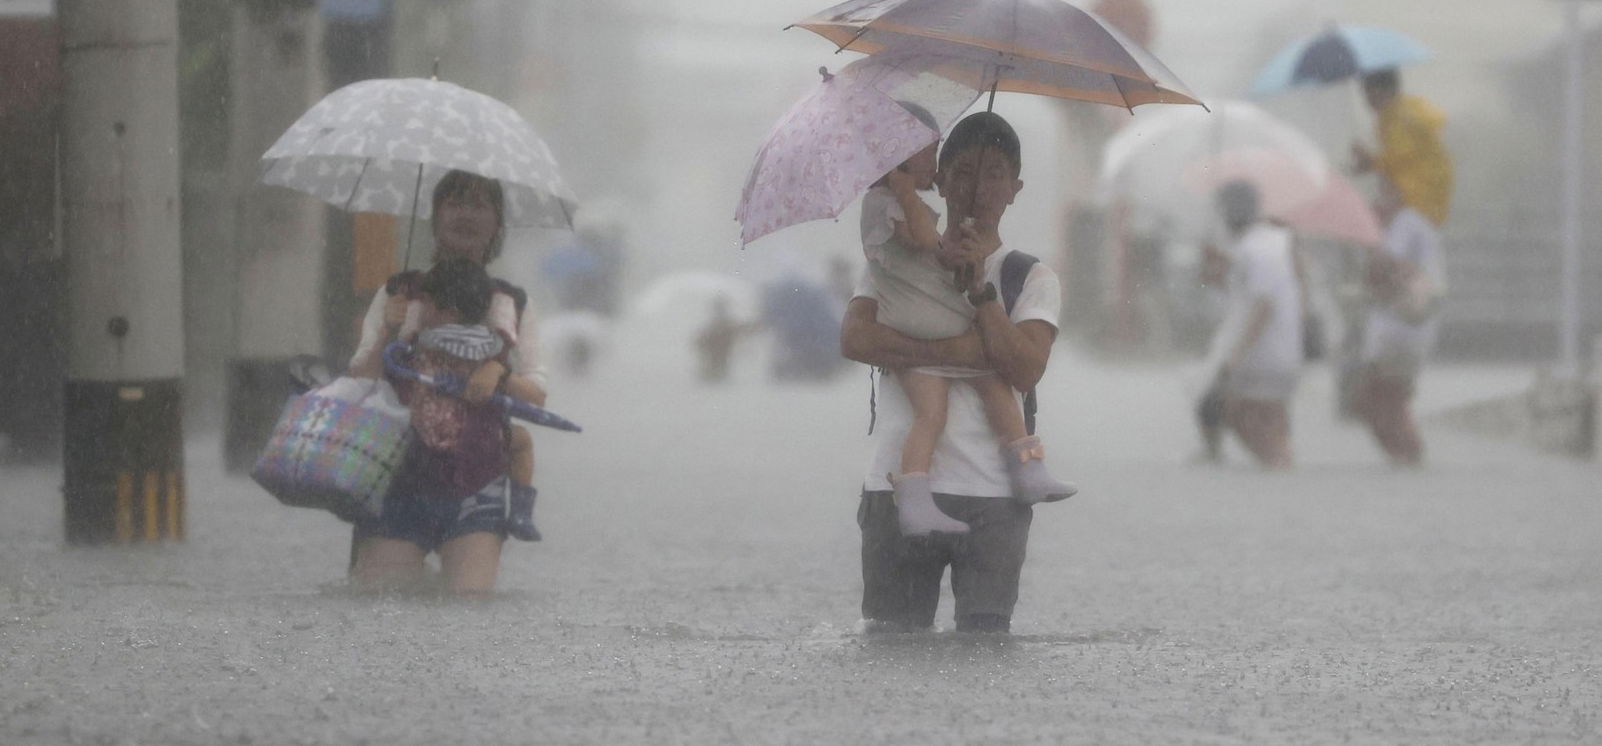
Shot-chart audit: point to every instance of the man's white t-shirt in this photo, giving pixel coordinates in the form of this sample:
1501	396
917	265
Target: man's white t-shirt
967	458
1262	268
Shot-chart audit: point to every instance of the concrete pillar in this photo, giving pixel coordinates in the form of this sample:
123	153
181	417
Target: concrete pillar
279	240
123	436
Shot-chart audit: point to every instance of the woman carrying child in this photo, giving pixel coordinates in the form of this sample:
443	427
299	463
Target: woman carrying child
920	298
425	511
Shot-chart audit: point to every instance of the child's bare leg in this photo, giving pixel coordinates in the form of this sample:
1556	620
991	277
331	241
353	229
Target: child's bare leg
1001	408
520	469
521	447
1025	457
915	506
927	395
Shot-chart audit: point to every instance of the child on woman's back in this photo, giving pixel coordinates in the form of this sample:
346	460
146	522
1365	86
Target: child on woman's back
918	297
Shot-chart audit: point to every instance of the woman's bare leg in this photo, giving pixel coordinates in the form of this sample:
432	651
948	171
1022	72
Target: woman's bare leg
387	565
470	563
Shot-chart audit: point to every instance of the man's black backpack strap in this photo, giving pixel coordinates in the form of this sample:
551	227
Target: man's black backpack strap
1014	270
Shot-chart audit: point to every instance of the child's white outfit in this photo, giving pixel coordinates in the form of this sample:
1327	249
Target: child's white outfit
916	295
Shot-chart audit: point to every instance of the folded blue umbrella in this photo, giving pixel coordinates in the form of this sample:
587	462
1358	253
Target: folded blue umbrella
1340	52
396	353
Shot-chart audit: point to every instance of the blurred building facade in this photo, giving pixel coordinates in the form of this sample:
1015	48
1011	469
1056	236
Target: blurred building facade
32	270
1506	231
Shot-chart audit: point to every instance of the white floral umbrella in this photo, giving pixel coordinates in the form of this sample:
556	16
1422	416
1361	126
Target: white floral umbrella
382	145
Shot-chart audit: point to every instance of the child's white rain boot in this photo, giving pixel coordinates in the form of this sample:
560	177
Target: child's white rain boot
916	511
1031	482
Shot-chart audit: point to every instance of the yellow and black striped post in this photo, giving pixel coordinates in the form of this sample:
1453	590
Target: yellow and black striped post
120	212
123	462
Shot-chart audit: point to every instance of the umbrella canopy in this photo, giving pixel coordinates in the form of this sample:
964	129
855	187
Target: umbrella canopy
1141	164
1340	52
1340	212
841	138
1238	141
1331	207
381	145
1043	47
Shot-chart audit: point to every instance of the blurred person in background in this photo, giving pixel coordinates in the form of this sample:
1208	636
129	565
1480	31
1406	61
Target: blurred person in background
1406	280
1411	155
1255	358
804	318
715	343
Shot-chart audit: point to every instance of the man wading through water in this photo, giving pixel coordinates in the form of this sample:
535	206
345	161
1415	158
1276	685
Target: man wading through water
978	178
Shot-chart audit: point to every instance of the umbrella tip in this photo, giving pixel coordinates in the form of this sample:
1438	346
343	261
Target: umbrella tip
824	71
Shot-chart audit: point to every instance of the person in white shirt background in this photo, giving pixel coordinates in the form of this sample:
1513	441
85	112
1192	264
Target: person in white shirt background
1255	357
1406	280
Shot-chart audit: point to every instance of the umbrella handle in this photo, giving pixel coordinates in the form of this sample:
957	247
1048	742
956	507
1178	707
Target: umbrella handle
417	192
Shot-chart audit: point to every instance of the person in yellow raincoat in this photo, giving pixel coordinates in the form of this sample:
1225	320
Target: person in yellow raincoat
1411	154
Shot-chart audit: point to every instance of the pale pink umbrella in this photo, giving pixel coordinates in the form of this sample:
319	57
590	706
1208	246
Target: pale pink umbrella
841	138
838	141
1339	212
1326	205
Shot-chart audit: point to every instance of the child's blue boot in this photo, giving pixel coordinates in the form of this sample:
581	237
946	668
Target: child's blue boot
520	524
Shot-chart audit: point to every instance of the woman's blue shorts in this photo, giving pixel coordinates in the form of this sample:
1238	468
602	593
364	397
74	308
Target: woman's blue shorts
429	522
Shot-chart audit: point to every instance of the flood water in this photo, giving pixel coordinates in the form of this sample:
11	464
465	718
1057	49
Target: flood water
699	584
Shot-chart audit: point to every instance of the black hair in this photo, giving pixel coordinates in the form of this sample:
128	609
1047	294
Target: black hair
462	285
1238	203
459	183
1386	80
981	130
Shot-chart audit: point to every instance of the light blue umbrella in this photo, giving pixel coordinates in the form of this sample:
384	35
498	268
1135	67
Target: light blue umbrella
1340	52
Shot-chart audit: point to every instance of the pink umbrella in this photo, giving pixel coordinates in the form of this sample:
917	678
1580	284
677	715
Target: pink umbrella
1326	204
1338	212
837	141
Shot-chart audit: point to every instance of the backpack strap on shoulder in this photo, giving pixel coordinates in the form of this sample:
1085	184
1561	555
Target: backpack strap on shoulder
1015	268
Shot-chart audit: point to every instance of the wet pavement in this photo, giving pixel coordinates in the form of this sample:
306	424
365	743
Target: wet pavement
698	584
